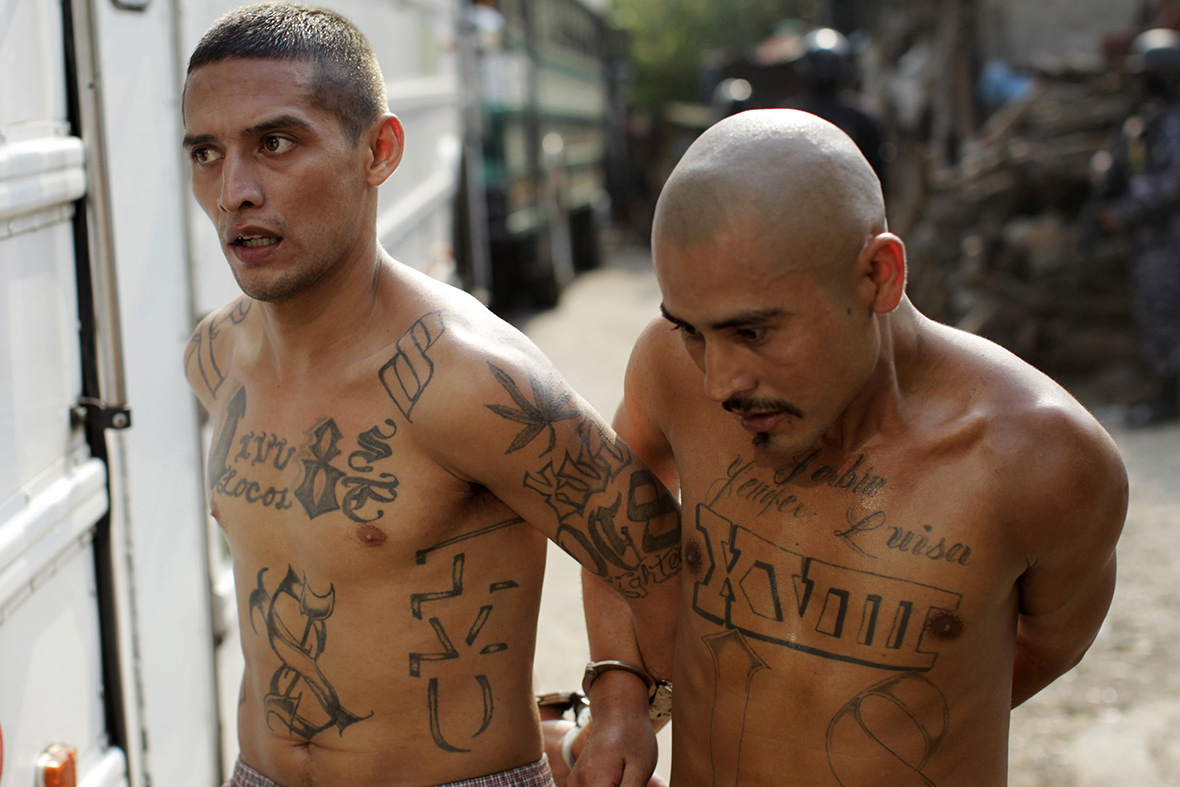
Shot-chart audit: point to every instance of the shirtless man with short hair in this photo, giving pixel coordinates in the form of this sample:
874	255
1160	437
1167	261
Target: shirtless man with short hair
894	531
388	456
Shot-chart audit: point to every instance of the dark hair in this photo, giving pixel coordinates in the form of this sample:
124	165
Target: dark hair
349	83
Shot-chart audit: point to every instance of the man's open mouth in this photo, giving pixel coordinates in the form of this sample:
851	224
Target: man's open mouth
255	241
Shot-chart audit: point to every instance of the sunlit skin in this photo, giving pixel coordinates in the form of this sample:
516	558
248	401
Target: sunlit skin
834	447
758	331
271	168
375	431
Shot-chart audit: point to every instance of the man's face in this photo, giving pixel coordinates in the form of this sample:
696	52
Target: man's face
283	186
783	351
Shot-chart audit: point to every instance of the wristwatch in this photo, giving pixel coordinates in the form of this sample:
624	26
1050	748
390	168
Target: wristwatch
659	692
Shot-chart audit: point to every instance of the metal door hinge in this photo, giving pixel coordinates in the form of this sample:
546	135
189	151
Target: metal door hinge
108	416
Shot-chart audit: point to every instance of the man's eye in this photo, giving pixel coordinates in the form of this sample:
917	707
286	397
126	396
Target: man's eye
687	331
750	334
276	144
205	155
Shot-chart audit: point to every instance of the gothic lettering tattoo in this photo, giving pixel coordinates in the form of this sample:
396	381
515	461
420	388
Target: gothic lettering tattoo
406	375
318	492
629	543
300	698
896	725
550	407
461	652
200	348
734	664
779	596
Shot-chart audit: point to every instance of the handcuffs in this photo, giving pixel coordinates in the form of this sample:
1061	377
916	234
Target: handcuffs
659	698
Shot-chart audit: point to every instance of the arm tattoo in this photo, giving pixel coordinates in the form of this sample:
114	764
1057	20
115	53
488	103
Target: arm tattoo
300	698
200	347
629	544
406	375
550	407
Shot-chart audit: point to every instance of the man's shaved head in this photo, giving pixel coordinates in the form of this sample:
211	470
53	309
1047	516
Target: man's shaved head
795	179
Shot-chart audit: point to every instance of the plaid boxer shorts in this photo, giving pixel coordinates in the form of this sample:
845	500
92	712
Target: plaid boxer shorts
534	775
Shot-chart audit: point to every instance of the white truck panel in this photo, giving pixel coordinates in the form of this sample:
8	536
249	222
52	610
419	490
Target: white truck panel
158	511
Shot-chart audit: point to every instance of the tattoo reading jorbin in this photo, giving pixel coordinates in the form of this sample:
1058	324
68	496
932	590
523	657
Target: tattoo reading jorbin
459	662
779	596
629	545
300	697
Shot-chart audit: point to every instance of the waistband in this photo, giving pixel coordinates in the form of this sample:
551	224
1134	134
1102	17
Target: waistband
535	774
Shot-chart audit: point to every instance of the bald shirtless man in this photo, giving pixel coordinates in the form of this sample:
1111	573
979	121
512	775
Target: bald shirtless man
388	457
894	531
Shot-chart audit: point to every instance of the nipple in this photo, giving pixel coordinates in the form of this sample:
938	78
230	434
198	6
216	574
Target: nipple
945	626
371	536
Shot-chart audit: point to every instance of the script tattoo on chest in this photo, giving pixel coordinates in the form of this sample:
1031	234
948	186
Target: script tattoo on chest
326	483
761	591
300	696
629	539
460	667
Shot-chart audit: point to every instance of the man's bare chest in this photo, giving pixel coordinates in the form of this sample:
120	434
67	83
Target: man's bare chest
844	557
331	465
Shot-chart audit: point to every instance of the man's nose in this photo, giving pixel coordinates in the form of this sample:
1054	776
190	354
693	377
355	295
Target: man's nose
240	187
725	373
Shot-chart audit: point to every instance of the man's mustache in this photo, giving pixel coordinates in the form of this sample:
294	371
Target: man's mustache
742	405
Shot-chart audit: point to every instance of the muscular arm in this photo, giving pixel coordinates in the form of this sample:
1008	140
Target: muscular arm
1067	589
535	444
618	699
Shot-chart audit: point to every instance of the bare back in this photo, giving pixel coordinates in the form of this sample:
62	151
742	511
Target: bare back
851	618
375	505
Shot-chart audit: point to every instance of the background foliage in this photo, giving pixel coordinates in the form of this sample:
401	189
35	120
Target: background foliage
671	39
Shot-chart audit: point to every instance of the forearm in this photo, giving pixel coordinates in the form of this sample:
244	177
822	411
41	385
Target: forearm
636	631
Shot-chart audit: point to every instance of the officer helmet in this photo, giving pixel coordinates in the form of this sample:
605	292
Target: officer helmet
827	58
1155	54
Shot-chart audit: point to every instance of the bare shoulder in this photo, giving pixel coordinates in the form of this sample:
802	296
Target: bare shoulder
1059	471
209	353
661	378
490	388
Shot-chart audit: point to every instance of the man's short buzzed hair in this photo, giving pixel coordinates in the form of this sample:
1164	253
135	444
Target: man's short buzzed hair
349	83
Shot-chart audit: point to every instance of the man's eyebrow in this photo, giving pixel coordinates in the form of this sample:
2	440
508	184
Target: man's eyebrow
193	140
739	320
267	126
670	317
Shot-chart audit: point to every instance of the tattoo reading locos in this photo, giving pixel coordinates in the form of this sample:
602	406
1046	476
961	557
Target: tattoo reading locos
611	515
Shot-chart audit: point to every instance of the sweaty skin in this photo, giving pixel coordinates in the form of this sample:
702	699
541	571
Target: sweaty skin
387	461
893	531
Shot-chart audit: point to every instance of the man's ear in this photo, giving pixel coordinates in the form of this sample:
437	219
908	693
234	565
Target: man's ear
387	140
884	263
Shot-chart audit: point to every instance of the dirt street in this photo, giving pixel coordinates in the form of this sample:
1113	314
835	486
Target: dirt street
1114	719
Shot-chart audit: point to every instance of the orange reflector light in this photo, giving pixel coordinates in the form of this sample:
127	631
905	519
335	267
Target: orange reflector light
57	766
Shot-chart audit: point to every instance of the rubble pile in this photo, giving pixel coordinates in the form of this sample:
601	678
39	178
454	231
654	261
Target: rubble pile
1001	237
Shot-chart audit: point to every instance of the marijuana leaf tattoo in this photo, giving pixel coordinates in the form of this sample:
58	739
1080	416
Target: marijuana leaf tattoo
550	408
